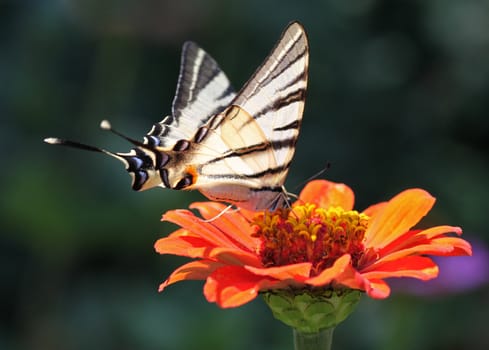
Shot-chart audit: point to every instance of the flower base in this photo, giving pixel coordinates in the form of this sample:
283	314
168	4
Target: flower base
312	311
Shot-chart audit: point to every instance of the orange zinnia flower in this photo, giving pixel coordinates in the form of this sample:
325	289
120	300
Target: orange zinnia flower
319	243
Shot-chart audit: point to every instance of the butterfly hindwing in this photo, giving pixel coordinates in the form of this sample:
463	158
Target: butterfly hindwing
203	90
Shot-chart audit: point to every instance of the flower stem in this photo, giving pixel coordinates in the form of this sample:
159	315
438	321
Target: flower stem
321	340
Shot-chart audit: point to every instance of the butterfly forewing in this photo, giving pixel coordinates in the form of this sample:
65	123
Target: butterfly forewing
275	94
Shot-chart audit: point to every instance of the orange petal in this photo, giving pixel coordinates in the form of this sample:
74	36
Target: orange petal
247	214
327	194
439	230
413	241
400	214
351	278
410	266
296	272
378	289
232	222
460	246
196	247
197	226
209	210
191	246
374	209
447	246
416	237
195	270
233	286
443	246
404	240
233	256
332	273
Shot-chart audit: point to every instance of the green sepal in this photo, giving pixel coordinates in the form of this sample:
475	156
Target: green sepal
309	311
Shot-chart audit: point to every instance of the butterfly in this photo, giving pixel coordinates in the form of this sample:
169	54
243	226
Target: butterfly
232	147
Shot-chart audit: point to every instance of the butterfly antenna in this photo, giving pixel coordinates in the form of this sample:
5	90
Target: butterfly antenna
79	145
73	144
105	125
319	173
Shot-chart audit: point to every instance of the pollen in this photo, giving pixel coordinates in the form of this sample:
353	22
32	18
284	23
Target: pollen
306	233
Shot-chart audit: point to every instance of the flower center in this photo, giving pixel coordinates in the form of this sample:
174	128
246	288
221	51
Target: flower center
309	234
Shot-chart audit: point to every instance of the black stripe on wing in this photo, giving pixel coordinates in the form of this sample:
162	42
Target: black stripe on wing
294	96
291	48
269	171
260	147
292	125
198	72
284	63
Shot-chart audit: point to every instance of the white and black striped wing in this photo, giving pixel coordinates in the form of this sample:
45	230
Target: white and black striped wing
258	133
275	97
203	90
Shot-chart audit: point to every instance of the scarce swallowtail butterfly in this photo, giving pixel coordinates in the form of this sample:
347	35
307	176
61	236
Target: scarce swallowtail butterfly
232	147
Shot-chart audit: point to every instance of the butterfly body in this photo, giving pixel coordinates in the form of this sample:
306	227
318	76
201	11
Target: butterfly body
232	147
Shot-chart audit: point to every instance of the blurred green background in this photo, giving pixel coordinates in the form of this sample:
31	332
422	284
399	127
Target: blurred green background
398	97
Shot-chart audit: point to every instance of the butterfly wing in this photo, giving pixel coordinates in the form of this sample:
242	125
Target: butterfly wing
203	90
275	97
259	131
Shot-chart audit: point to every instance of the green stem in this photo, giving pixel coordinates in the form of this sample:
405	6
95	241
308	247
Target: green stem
321	340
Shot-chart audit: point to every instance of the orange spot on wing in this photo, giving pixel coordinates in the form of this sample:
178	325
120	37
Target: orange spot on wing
192	171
